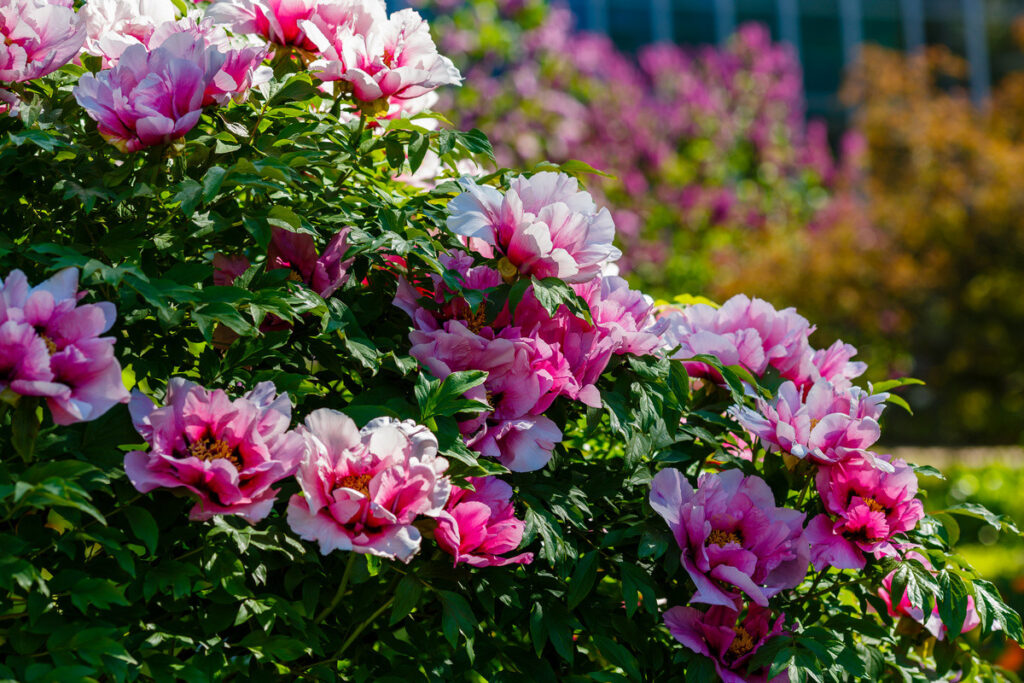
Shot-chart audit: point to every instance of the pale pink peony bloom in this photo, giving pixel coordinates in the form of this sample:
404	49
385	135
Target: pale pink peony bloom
392	59
824	426
228	454
363	490
544	225
744	331
50	346
477	527
728	638
834	364
865	508
39	37
735	542
523	374
906	607
622	314
151	98
112	26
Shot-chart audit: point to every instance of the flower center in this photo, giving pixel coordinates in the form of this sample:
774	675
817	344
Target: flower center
50	345
357	482
874	505
476	320
723	538
208	448
742	643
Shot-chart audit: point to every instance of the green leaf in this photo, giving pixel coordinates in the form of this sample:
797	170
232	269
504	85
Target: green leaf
889	384
407	595
583	577
418	146
457	616
446	397
552	292
1001	522
25	426
143	526
98	593
299	88
952	601
189	194
993	612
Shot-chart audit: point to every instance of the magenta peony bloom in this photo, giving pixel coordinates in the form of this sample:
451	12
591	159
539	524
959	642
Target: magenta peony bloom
523	374
544	225
478	526
734	540
112	26
151	98
447	305
39	37
51	347
865	507
824	426
834	364
744	331
392	59
362	490
228	454
725	637
906	608
275	20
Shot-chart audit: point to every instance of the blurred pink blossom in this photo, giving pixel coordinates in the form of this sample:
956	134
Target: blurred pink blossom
38	37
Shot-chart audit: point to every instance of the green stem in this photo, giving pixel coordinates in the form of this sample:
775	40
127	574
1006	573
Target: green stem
361	627
341	590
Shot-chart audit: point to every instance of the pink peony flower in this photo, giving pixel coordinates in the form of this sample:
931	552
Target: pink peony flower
544	225
151	98
228	454
392	59
446	304
478	526
865	508
824	426
620	313
734	540
906	608
726	637
362	490
51	347
275	20
834	364
744	331
39	37
112	26
522	373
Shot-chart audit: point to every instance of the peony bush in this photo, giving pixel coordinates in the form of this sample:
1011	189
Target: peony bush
295	384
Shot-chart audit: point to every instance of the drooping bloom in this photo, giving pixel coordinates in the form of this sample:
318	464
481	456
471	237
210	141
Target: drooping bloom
51	346
477	527
726	637
906	607
380	60
112	26
151	98
734	540
865	508
544	225
744	331
522	373
826	426
362	490
39	37
228	454
323	273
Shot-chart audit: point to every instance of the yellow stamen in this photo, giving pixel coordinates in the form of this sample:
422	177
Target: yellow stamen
357	482
723	538
742	643
209	448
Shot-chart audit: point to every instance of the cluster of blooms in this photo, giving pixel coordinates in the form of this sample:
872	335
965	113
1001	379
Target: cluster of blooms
738	548
160	70
363	490
543	226
50	346
381	60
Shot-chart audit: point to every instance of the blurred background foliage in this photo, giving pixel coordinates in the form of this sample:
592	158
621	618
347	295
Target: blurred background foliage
900	233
